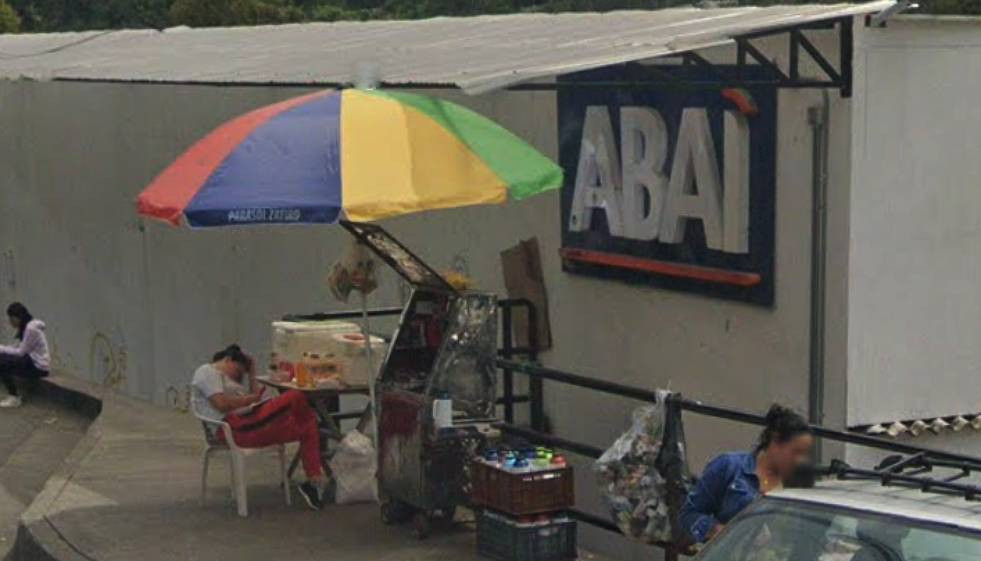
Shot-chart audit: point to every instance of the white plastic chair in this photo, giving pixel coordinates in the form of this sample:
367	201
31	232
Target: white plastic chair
237	456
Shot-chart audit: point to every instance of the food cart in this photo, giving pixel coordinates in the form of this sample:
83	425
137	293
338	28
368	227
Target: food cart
443	352
269	172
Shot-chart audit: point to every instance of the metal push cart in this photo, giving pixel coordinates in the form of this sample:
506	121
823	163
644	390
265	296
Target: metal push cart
445	346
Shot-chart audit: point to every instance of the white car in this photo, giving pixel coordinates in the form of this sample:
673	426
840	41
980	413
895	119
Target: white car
856	520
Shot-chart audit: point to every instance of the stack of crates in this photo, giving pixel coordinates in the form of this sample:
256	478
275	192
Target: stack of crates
522	515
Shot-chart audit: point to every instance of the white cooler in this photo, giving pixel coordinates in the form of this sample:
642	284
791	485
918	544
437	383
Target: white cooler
340	339
354	356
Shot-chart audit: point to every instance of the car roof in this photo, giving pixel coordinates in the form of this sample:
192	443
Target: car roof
872	496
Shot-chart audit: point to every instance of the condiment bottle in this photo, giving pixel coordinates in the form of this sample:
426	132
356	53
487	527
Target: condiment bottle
303	373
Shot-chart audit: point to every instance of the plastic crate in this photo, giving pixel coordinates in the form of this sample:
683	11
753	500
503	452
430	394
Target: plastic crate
505	539
521	494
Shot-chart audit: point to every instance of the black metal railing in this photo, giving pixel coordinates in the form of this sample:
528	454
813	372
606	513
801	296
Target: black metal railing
926	456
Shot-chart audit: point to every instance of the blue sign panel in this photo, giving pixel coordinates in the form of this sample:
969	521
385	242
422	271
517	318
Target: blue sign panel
672	186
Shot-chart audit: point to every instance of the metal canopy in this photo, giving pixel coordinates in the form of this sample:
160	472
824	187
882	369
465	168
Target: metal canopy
476	54
835	75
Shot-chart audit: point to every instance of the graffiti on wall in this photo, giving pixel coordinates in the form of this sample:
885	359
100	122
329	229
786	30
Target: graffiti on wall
179	398
107	361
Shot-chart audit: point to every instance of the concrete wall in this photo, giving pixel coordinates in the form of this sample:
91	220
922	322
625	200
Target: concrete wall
914	304
140	305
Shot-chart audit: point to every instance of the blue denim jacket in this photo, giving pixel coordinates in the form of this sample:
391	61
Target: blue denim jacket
727	486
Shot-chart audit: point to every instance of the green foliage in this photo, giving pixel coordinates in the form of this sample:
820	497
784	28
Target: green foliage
209	13
9	20
58	15
70	15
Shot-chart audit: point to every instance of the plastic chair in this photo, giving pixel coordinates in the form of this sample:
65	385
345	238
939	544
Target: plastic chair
237	456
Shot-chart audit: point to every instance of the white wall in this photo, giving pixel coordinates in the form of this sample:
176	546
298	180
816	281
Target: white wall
145	303
914	302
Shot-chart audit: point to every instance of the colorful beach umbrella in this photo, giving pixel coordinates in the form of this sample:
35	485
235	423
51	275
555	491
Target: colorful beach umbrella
359	155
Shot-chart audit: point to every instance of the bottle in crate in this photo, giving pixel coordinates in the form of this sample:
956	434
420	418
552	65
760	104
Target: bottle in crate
522	491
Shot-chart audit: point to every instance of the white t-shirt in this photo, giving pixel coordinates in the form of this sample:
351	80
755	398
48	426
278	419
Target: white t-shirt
207	382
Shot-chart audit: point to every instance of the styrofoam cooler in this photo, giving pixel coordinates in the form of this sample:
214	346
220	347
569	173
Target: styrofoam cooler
291	339
351	351
340	339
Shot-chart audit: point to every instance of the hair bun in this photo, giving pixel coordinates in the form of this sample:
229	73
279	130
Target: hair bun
233	348
782	423
776	413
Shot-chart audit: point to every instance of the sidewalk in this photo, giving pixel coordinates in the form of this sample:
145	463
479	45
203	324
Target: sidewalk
130	491
34	441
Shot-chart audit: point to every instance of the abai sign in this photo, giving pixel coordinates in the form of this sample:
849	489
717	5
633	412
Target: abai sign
671	187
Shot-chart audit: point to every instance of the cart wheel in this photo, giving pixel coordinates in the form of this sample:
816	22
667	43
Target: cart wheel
394	513
422	525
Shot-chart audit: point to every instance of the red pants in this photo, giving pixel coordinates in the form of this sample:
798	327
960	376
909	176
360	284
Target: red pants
287	418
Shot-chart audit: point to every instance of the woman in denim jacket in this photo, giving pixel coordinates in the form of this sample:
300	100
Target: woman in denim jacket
732	481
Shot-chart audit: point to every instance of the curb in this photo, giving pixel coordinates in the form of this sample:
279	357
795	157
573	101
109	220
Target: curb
74	394
37	539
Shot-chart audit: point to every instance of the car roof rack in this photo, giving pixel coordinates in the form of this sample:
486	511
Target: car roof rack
908	471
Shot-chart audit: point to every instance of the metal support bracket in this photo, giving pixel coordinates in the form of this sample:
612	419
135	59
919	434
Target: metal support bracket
748	54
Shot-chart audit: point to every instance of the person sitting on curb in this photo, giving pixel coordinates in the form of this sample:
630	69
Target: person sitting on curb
226	389
27	358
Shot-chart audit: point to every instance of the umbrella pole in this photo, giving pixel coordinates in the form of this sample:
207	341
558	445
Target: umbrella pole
366	332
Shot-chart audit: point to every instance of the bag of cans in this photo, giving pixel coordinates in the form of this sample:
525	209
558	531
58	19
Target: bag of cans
644	475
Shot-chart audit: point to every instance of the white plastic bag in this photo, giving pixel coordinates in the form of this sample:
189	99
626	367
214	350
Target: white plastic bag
644	475
354	470
355	270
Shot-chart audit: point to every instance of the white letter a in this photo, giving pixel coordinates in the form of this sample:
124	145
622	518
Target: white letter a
695	191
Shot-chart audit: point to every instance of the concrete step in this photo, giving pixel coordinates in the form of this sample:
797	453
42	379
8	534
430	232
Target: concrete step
34	440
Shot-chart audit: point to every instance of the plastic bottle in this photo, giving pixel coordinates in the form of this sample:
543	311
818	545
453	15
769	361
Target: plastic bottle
303	373
491	457
443	411
509	459
542	459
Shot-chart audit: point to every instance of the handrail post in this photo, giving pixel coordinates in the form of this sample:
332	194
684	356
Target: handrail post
536	388
507	349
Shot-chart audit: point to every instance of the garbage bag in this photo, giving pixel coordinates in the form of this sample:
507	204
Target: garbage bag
353	466
644	475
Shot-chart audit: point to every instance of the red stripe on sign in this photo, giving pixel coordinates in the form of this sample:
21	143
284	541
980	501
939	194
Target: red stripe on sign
167	196
695	272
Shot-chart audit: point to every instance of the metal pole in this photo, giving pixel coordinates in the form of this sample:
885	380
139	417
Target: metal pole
507	344
366	332
818	119
536	389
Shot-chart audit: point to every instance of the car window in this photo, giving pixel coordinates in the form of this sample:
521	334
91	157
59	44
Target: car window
922	545
781	530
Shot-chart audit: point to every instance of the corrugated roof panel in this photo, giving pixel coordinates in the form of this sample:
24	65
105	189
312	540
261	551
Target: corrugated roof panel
477	54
